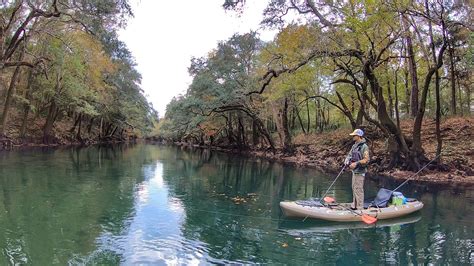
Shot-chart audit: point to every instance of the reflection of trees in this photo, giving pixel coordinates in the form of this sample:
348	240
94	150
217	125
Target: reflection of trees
445	234
54	204
247	231
207	188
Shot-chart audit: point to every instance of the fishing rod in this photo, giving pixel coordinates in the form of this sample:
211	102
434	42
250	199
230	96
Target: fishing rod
408	179
325	193
365	218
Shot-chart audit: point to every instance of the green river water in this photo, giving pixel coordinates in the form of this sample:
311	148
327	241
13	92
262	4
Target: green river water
148	204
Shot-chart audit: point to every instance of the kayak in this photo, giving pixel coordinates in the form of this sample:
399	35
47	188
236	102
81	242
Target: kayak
341	212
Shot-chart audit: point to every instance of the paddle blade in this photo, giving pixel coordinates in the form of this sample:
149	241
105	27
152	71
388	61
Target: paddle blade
368	219
329	200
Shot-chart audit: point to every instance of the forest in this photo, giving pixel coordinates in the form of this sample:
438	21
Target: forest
375	65
65	75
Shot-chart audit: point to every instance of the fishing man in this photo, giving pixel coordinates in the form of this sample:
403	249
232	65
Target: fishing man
357	160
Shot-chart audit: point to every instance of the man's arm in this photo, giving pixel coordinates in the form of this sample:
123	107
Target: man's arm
365	156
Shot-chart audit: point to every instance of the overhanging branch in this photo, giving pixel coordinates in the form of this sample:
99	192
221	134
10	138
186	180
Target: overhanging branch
272	73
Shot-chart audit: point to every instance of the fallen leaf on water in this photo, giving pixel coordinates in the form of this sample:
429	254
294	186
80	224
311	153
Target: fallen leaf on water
285	245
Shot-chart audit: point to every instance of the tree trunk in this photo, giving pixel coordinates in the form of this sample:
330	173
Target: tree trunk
417	151
123	137
390	99
76	122
452	71
308	118
101	125
397	113
281	119
437	92
292	119
230	130
89	127
48	125
8	100
407	94
346	111
264	131
468	92
299	118
284	121
113	131
317	119
382	114
26	106
241	131
107	129
359	117
255	138
322	120
78	135
468	98
328	117
412	70
438	118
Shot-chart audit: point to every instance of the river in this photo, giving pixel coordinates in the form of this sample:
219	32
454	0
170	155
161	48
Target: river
149	204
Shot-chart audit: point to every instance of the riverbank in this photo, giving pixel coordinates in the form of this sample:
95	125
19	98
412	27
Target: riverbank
326	151
64	133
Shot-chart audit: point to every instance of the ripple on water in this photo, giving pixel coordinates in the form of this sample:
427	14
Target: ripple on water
170	250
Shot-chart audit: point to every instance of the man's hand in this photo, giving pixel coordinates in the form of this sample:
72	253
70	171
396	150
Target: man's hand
353	165
346	161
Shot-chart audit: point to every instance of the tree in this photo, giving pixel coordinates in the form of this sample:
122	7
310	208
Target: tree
77	67
361	38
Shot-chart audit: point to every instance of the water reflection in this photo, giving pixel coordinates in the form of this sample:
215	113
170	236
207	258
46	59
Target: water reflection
146	204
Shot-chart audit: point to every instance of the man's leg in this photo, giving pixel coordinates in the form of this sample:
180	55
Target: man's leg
358	191
353	205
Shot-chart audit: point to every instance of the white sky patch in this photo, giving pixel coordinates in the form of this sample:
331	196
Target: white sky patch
164	36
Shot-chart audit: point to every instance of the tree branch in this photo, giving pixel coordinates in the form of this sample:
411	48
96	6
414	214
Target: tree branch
324	98
271	73
321	18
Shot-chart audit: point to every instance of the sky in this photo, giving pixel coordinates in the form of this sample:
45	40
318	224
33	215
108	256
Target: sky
163	36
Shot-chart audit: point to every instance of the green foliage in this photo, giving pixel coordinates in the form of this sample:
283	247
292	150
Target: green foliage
352	49
85	71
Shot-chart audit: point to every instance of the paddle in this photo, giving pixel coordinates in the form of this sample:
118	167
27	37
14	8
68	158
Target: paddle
365	217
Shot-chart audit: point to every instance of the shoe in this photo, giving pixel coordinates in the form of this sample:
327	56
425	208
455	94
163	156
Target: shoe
352	208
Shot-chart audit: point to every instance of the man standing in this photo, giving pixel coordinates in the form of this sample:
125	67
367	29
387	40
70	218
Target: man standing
357	160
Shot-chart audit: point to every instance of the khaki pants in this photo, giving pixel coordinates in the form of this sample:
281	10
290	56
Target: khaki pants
358	191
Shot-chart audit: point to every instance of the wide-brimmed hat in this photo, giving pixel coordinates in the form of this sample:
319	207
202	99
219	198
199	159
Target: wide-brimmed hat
357	132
